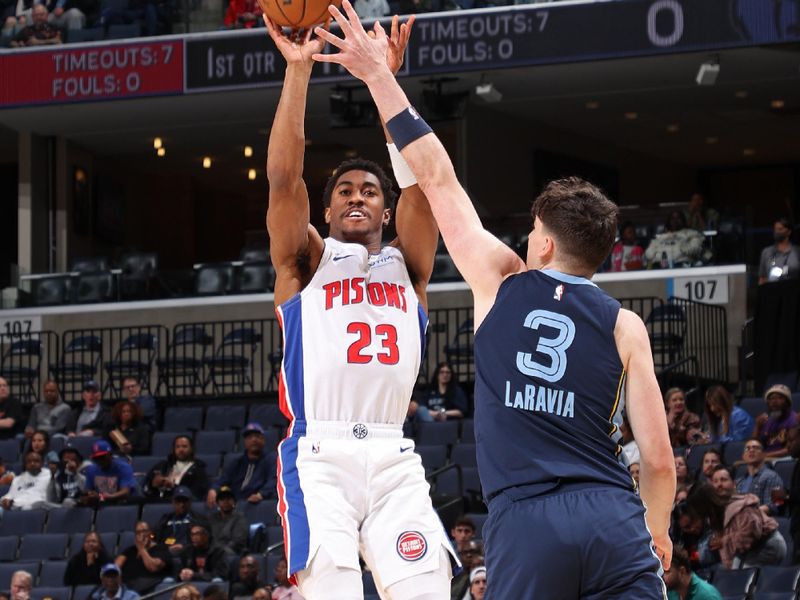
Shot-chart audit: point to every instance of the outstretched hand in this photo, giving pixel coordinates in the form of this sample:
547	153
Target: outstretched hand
298	46
398	42
364	55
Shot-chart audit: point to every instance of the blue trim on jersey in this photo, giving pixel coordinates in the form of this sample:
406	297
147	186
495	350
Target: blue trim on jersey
296	515
423	329
292	311
566	278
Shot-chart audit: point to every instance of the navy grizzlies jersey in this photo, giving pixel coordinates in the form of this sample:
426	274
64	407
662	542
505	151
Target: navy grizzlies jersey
549	388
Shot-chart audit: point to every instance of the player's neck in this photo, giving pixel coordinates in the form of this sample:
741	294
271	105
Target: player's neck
371	243
567	269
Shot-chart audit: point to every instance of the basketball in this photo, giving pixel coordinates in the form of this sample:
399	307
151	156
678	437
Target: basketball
297	14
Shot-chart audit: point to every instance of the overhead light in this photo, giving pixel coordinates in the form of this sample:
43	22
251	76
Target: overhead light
592	105
488	93
251	174
161	151
712	139
157	143
777	104
673	128
206	162
248	151
748	152
631	116
741	94
707	73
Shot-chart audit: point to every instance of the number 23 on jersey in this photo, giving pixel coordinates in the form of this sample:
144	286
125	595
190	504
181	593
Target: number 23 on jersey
363	351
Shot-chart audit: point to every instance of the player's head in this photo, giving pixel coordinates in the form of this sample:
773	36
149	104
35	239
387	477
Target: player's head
359	200
574	224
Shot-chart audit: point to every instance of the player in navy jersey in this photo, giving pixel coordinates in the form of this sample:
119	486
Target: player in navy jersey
557	363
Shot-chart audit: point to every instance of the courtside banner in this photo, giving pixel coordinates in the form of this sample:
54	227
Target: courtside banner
96	72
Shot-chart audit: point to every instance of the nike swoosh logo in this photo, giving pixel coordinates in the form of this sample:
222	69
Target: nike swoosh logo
405	449
338	258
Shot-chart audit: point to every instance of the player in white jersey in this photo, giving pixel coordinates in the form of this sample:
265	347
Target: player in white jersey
353	316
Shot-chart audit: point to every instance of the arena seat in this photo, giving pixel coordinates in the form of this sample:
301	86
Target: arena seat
785	468
774	596
94	287
69	520
210	442
126	540
433	457
213	463
479	519
8	548
785	529
268	415
52	573
232	361
753	406
83	592
116	518
265	512
143	464
468	431
445	432
464	455
134	358
161	442
448	483
9	451
223	417
214	279
8	569
43	546
778	579
183	366
695	457
255	278
54	593
22	522
107	538
731	583
732	452
83	444
152	513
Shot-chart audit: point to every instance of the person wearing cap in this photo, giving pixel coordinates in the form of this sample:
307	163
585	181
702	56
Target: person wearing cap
772	426
29	489
109	480
181	467
229	527
52	415
111	585
477	583
200	561
69	482
253	476
10	412
145	564
173	528
90	419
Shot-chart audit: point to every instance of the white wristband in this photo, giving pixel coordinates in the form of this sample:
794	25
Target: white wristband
402	172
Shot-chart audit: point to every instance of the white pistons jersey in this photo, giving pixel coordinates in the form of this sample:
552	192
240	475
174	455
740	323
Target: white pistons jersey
353	339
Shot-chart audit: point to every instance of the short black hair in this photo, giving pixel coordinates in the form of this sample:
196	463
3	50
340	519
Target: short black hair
680	558
361	164
785	222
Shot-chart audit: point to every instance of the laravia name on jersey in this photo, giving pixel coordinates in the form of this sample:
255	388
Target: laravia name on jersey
356	290
541	399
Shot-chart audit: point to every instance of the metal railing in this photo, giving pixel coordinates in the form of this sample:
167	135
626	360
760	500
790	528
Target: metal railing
24	361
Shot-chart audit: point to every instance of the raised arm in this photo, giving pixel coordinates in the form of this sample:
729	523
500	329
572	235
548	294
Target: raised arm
295	246
481	258
649	424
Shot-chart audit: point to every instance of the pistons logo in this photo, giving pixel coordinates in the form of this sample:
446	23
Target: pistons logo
411	545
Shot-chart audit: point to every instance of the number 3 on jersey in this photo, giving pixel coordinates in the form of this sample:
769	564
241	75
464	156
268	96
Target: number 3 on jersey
358	354
553	348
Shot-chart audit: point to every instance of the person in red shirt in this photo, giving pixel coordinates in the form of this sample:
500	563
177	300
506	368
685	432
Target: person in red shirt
243	14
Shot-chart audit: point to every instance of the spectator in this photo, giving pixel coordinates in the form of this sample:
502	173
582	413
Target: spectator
126	429
722	482
112	587
462	532
179	468
711	458
683	477
688	529
678	246
84	567
132	388
6	475
28	490
446	399
229	527
477	583
684	425
69	482
21	585
10	412
249	580
134	11
52	415
91	419
215	592
685	585
283	588
40	443
698	216
40	32
471	555
145	564
781	260
760	479
726	422
372	9
173	529
252	476
67	14
199	560
793	498
746	537
629	445
264	593
771	428
109	480
186	592
243	14
634	469
627	254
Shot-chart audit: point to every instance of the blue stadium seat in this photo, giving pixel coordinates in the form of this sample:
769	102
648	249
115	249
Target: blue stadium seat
778	579
43	546
201	508
449	484
271	438
213	463
464	455
83	592
268	415
774	596
161	443
433	457
472	483
56	593
22	522
8	569
8	548
116	518
9	451
83	444
431	434
143	464
209	442
69	520
108	539
735	582
52	574
479	519
182	419
732	452
229	459
695	458
126	540
274	535
784	527
223	417
785	468
265	512
753	406
468	431
152	513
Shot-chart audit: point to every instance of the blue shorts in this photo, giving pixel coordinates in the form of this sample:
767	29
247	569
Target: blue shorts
576	541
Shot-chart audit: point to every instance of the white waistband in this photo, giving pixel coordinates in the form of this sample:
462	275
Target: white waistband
352	430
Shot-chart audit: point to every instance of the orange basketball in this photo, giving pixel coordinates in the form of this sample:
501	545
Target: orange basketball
297	14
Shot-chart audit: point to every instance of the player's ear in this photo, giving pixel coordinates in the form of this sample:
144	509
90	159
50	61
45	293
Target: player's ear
328	215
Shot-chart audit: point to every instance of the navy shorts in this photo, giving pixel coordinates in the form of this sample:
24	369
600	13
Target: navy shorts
577	541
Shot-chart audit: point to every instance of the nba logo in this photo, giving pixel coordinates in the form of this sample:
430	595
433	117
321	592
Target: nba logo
559	292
